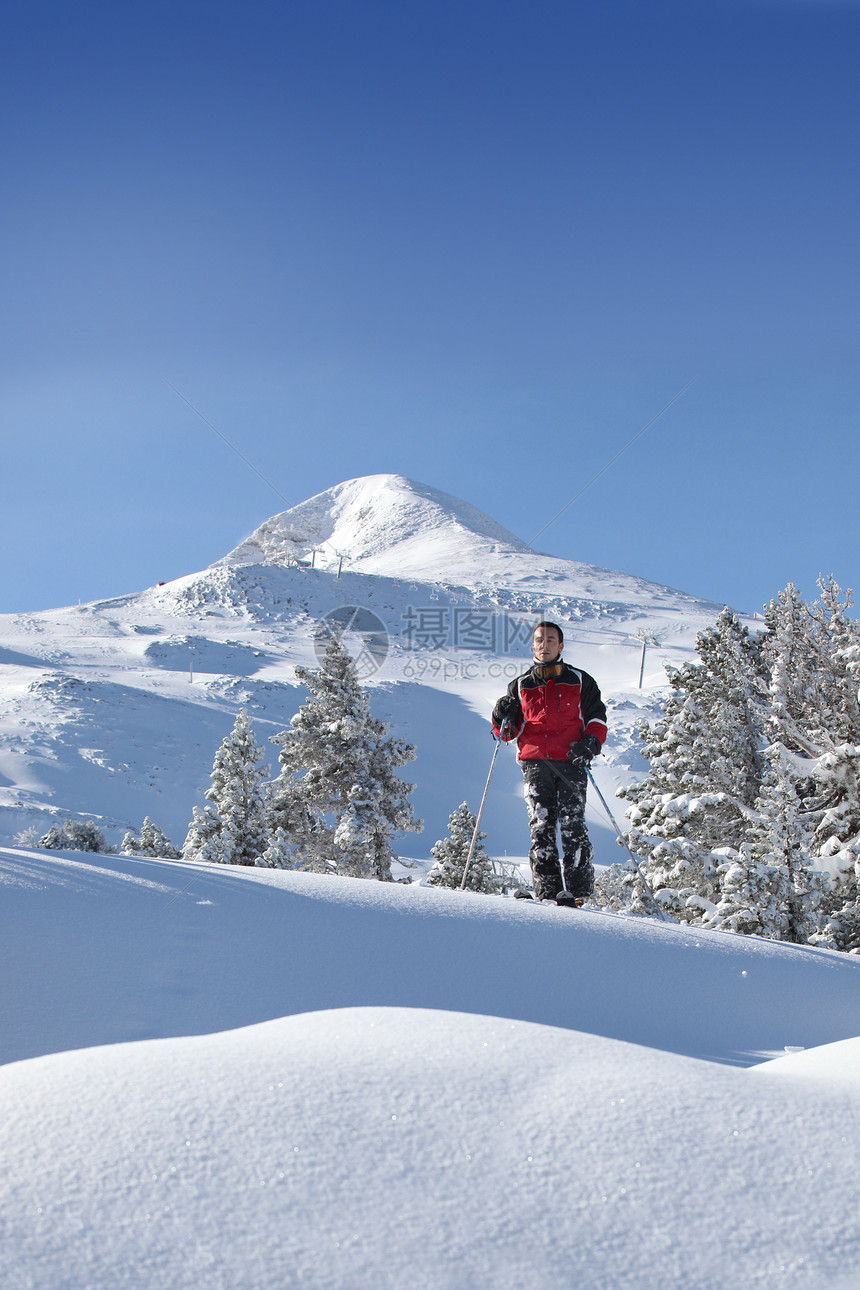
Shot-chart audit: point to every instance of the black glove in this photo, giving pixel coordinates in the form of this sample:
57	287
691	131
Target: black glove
507	709
585	748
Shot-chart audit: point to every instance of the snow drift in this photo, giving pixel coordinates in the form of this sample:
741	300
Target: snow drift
309	1081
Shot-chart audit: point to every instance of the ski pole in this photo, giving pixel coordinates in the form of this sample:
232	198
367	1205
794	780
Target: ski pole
661	911
474	841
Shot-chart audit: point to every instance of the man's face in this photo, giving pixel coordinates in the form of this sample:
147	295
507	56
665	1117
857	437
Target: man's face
546	644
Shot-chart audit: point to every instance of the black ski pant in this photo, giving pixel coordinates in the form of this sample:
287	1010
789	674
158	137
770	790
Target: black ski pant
555	799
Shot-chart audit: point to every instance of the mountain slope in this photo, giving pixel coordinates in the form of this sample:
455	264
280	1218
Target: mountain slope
113	710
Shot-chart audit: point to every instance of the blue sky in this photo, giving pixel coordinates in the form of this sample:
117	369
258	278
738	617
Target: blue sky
478	243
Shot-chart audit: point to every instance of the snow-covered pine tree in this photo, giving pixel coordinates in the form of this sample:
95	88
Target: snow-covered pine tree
74	835
280	853
779	839
152	841
842	634
813	659
834	802
705	770
836	842
338	799
233	829
793	659
450	855
754	894
755	774
619	886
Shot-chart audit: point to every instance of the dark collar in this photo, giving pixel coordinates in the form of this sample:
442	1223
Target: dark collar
546	670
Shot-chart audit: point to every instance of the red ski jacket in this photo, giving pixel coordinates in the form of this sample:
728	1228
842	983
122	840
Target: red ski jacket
559	704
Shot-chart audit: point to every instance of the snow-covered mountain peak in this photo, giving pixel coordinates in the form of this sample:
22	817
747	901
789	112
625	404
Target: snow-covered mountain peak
384	524
391	527
115	708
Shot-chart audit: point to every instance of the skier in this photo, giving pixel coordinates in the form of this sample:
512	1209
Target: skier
558	719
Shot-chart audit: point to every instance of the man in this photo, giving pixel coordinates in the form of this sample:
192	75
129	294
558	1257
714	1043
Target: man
558	719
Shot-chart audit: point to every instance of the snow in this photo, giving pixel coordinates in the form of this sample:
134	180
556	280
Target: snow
234	1077
222	1077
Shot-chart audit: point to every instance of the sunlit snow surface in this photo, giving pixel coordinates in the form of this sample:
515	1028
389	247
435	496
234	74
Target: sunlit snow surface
268	1080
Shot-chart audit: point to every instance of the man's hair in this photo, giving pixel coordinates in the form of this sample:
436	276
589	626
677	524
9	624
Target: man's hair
555	628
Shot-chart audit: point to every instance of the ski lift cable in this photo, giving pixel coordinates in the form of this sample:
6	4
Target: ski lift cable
230	445
620	453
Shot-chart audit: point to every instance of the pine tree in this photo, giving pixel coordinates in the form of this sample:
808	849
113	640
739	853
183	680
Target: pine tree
153	841
619	886
338	800
842	635
705	770
835	799
840	909
813	658
836	841
451	853
280	852
781	840
233	830
74	835
753	895
792	658
836	836
755	775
